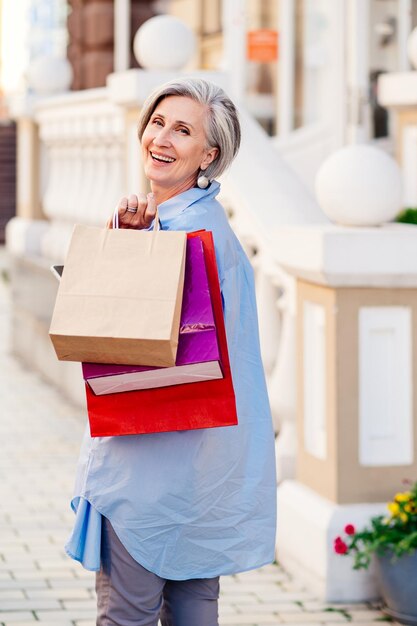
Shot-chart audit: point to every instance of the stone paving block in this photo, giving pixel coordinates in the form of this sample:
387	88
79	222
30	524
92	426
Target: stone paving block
59	594
246	619
15	564
75	605
365	615
78	583
23	584
233	624
57	564
5	576
42	548
37	574
277	578
280	624
256	587
309	618
25	623
385	622
62	622
11	551
11	594
248	598
62	573
282	607
30	605
227	609
284	596
16	616
55	616
320	605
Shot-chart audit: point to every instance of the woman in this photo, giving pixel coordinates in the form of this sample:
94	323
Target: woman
162	516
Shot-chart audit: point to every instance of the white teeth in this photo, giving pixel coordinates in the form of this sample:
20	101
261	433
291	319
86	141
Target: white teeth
158	157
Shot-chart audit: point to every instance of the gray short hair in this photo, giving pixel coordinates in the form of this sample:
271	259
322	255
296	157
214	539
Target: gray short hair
222	129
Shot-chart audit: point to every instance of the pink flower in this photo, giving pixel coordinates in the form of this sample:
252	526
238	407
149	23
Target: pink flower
350	529
340	547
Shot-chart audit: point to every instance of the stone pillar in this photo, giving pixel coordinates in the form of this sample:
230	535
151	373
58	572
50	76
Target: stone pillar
357	407
356	311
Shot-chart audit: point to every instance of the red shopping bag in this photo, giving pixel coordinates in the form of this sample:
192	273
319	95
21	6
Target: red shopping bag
182	407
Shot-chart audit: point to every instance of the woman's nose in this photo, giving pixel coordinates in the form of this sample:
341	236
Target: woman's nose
161	137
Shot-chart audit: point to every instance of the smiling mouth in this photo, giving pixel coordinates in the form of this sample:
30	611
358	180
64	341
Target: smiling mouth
161	158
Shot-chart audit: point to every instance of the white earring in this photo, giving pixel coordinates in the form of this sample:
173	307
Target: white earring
203	182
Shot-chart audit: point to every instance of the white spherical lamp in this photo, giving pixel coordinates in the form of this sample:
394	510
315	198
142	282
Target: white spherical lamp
359	186
164	43
412	48
49	74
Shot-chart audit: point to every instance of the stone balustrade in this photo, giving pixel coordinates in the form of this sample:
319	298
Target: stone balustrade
83	138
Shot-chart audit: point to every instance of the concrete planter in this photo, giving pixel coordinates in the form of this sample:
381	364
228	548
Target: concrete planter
397	582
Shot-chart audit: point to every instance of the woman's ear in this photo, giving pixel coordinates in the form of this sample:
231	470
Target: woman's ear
210	155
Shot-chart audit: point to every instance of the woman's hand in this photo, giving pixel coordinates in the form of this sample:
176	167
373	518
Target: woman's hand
135	212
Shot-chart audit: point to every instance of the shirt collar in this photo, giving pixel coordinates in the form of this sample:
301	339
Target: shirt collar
177	204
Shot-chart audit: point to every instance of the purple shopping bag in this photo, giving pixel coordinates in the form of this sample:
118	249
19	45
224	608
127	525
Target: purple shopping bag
198	357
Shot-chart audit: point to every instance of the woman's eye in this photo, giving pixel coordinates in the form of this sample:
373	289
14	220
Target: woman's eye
157	122
184	131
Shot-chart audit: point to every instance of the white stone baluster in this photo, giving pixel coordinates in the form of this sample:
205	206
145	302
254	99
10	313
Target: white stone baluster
85	200
54	156
282	383
267	291
115	187
77	175
99	184
64	207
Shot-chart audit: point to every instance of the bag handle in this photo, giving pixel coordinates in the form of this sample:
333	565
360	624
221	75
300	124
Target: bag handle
156	223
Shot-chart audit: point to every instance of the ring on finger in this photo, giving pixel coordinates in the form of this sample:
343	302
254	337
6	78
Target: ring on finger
131	209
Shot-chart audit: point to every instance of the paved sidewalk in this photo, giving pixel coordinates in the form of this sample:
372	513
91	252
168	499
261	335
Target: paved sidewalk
40	437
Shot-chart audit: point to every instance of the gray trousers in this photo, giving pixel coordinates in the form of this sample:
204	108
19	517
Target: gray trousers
130	595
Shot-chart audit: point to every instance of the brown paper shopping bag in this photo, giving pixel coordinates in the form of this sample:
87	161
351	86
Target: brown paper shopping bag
119	299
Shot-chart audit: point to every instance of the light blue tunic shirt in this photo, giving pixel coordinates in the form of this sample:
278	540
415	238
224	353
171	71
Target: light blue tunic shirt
200	503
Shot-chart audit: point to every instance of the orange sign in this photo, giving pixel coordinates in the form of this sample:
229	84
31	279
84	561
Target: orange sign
262	45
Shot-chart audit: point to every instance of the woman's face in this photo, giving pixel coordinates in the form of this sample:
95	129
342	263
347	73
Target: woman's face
174	144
